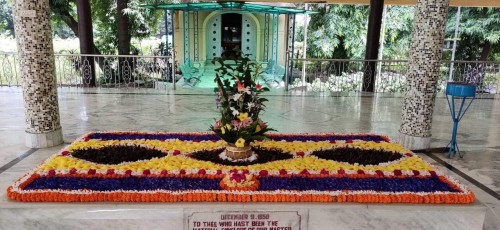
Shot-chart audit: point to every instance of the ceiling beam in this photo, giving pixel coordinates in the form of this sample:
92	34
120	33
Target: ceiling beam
464	3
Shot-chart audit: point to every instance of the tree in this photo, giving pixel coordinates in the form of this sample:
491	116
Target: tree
6	23
479	33
116	22
115	30
398	29
337	31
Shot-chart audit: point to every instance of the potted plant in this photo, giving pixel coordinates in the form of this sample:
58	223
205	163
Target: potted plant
239	105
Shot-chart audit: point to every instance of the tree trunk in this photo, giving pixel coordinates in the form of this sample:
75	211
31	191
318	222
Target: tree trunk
477	72
122	28
372	44
486	51
86	38
124	37
73	25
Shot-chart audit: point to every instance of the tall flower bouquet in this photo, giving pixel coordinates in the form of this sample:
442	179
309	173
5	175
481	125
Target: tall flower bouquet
239	105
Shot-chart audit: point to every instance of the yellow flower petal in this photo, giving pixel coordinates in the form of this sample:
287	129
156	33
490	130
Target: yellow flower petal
243	116
240	143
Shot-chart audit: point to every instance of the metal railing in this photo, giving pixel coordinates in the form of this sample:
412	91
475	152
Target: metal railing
322	75
340	75
113	71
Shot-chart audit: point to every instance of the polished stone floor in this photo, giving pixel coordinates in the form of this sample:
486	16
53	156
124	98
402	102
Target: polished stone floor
184	110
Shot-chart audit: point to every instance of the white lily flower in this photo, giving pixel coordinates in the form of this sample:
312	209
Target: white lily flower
250	105
247	90
236	96
235	111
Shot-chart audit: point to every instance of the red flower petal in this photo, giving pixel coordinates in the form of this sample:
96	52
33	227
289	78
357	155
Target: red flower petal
52	172
245	171
397	172
263	173
182	171
128	172
360	171
341	171
202	172
91	172
333	142
324	172
304	172
283	172
379	172
416	172
176	152
146	172
408	154
86	139
433	173
110	171
72	171
300	154
164	172
219	172
348	141
65	153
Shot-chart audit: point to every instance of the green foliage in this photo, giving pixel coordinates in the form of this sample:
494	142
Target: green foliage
339	31
477	26
62	12
143	23
240	104
398	30
6	24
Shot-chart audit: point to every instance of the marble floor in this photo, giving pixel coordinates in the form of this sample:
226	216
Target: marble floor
83	111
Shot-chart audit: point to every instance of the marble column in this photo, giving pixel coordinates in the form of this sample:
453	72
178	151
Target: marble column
36	60
423	72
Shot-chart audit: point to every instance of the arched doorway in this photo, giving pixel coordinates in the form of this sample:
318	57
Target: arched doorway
231	34
228	30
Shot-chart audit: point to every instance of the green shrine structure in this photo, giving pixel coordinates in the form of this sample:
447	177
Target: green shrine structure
198	32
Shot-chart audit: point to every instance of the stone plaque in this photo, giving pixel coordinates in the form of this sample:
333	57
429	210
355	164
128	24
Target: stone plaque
28	13
243	220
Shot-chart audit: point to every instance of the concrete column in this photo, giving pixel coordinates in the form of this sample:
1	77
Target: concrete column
425	58
36	59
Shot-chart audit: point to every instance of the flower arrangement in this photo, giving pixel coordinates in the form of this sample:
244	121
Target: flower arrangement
99	167
239	105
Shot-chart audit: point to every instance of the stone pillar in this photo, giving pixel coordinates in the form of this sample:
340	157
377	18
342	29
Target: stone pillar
36	59
423	72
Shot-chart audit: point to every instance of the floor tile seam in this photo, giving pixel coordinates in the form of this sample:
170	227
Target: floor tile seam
17	160
463	175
